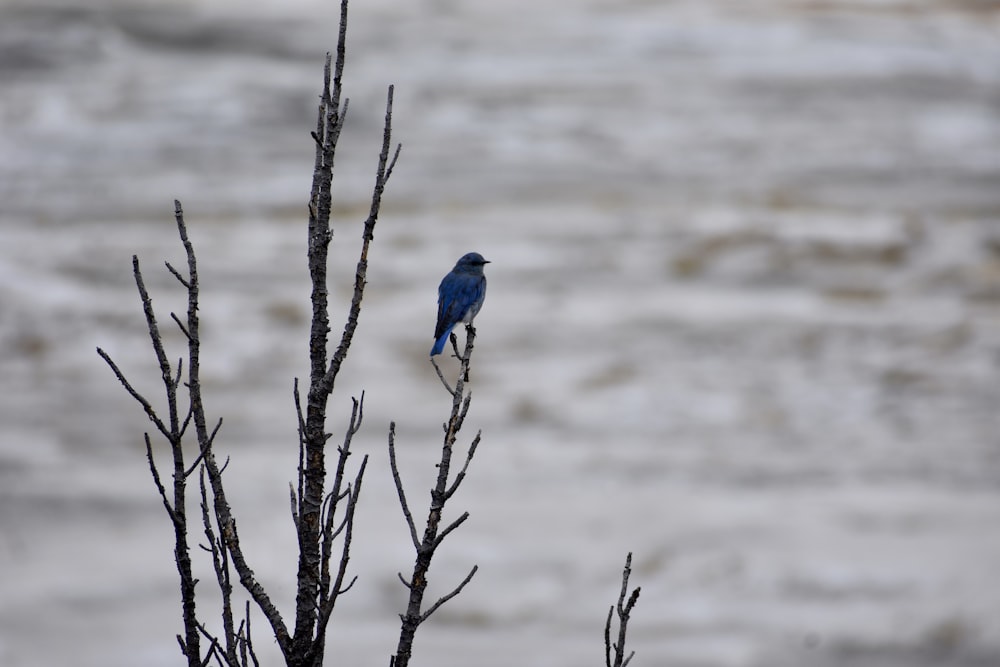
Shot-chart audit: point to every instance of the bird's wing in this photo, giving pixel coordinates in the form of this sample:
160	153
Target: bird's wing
456	294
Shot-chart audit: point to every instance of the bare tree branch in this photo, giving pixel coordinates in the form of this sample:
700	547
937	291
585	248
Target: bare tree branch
156	479
314	593
146	406
440	494
441	376
172	430
468	459
223	513
201	454
182	280
458	589
180	325
624	609
452	526
246	641
297	502
220	563
320	518
334	497
368	235
329	597
213	649
399	488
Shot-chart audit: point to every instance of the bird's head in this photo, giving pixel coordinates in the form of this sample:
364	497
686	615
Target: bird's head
472	262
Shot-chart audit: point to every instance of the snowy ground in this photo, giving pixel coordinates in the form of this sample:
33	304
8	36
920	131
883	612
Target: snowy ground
743	318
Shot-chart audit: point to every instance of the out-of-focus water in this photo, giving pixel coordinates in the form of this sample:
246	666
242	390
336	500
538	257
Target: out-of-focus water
743	318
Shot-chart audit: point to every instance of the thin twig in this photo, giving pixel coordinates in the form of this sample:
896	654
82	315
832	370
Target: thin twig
213	649
399	487
460	421
367	236
461	473
434	607
180	325
441	377
294	504
146	406
181	279
335	495
245	641
607	637
452	526
156	480
297	508
392	164
204	450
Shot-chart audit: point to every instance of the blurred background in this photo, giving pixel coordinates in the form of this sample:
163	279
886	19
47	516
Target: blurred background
743	318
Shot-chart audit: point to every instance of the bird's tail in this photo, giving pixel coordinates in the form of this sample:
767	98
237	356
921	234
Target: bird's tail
439	343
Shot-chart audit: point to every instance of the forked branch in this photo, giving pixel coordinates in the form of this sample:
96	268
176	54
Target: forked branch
316	588
443	490
624	609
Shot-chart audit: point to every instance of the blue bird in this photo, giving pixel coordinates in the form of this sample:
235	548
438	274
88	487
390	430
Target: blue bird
460	296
